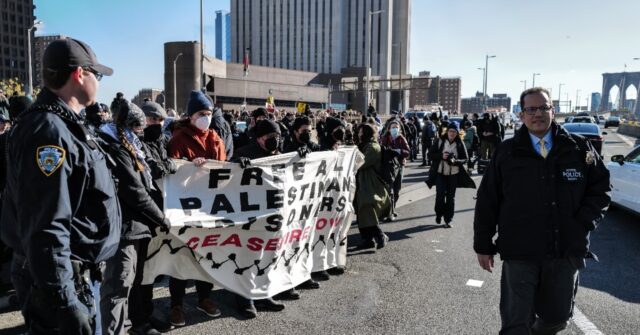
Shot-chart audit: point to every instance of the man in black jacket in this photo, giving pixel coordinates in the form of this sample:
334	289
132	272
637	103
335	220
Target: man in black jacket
301	136
544	191
489	133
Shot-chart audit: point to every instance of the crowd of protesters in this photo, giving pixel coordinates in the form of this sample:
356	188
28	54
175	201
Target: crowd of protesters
138	145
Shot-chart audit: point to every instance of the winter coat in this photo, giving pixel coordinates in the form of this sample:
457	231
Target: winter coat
370	189
435	156
190	142
140	214
160	163
542	208
223	129
469	137
294	145
398	143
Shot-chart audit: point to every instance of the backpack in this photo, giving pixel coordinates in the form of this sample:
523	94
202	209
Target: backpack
389	165
430	130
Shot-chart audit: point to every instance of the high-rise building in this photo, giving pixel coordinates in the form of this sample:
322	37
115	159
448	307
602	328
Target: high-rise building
450	94
596	100
322	36
149	94
40	44
427	90
16	17
223	35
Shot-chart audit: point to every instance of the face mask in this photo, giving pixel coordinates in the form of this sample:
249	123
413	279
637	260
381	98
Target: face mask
271	144
305	137
203	122
394	132
152	132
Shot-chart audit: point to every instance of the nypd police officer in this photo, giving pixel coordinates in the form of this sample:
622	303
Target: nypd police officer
60	208
544	191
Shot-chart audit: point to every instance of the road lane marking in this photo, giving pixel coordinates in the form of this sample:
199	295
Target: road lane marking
586	326
435	241
438	250
625	139
475	283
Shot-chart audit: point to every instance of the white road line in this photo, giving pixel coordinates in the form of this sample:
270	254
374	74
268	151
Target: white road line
475	283
438	250
587	327
625	139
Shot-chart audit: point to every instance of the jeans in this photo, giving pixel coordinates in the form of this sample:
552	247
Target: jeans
537	297
445	196
394	189
425	149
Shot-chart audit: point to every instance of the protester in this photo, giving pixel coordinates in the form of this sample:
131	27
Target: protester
394	139
249	136
471	141
96	115
75	226
489	136
194	141
372	200
267	134
5	124
545	190
4	104
301	130
115	104
429	133
334	134
220	126
447	172
140	216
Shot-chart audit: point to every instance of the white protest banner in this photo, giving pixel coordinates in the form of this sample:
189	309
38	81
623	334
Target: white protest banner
261	230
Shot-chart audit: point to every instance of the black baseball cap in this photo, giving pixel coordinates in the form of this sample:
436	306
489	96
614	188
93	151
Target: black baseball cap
70	53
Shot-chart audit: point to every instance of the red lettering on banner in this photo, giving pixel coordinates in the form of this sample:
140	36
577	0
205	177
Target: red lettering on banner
295	235
335	222
193	243
305	233
210	240
233	239
321	223
255	244
272	244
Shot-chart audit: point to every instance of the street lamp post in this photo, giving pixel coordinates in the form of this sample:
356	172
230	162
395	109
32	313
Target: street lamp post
525	84
201	48
29	61
400	77
534	79
483	75
368	59
175	84
577	99
486	75
560	96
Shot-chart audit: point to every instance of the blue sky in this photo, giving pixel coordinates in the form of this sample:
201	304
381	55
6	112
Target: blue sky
567	41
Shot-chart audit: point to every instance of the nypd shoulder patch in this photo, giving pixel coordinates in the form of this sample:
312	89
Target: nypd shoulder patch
50	158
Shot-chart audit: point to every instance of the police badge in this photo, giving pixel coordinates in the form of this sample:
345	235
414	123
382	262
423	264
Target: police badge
591	158
49	158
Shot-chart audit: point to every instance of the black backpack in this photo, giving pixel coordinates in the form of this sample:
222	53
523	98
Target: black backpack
389	164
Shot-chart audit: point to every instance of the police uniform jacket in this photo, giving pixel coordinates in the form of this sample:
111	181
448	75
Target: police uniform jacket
541	208
140	214
60	199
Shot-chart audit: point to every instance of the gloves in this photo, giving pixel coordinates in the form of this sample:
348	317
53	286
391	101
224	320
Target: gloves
165	226
244	162
303	151
72	320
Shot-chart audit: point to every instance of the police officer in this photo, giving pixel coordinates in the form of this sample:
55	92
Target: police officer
544	191
60	208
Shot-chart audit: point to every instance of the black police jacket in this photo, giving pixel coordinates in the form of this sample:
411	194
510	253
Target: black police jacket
140	214
541	208
60	200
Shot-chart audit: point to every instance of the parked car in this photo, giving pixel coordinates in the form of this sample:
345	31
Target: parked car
590	131
612	121
419	114
625	180
601	118
568	119
583	119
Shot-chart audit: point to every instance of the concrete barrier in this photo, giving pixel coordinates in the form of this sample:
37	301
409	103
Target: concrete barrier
629	130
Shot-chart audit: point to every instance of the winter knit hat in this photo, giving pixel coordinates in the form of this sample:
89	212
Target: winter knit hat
197	102
266	127
453	125
131	116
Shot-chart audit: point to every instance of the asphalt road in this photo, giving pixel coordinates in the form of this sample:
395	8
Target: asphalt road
418	283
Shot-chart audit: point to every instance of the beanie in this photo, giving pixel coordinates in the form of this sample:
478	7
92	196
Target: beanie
453	125
17	105
266	127
259	112
197	102
131	116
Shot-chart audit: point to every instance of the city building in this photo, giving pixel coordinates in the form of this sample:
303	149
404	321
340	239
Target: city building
230	89
475	104
427	90
325	36
596	99
40	44
151	94
223	35
16	18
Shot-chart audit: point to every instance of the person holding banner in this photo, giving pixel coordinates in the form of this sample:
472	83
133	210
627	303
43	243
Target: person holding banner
140	216
301	139
266	144
372	200
195	142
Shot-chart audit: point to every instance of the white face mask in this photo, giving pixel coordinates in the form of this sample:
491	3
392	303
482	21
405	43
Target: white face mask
203	122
